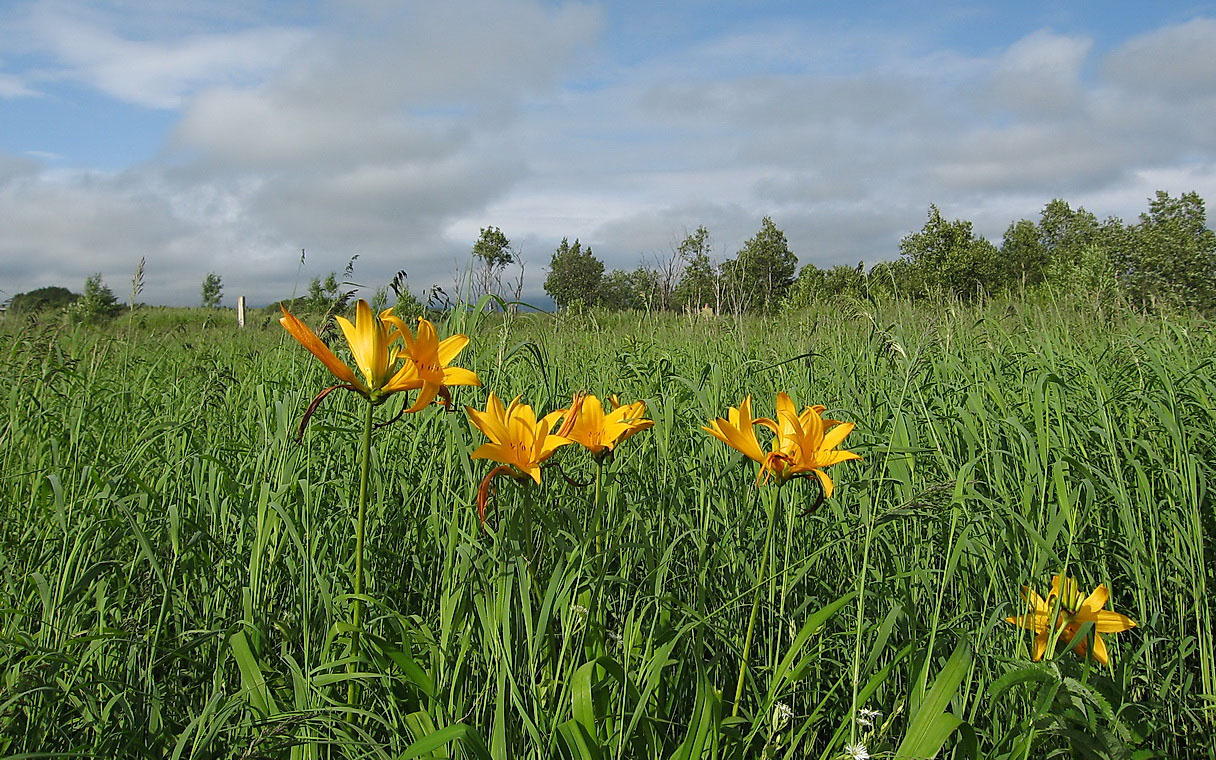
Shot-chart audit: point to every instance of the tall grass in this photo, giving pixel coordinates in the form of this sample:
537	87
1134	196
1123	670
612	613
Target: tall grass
174	568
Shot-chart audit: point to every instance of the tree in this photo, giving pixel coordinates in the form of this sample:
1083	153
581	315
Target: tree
699	285
897	278
491	253
97	302
575	274
50	297
950	257
213	291
763	270
406	305
1170	254
619	291
1024	256
327	295
1063	231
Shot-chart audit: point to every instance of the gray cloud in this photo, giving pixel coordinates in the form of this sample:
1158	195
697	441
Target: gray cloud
1175	60
399	130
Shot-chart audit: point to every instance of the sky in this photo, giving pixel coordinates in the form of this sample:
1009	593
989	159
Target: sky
228	136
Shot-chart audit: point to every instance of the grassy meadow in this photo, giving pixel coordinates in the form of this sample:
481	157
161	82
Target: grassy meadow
175	569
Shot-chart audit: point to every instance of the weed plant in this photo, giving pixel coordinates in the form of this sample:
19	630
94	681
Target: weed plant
173	565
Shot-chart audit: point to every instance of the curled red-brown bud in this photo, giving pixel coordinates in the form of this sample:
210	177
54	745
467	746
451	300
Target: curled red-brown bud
483	491
316	402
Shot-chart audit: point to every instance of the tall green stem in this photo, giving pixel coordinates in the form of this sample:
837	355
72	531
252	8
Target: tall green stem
760	582
599	507
365	462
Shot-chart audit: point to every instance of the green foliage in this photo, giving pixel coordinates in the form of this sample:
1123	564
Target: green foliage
951	258
815	284
97	304
1072	706
1087	272
1024	257
699	286
759	276
405	304
491	255
895	279
171	560
574	274
213	291
325	296
42	299
1170	255
621	290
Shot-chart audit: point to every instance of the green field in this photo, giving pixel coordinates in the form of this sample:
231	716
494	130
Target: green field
175	569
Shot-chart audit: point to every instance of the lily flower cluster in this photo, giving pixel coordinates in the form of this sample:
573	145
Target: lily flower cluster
392	359
420	363
1071	613
803	442
520	443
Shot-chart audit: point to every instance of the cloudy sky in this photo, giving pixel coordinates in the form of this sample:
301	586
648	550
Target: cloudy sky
227	135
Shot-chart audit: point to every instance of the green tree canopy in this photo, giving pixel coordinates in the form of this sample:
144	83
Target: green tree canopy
97	302
575	274
948	255
491	254
698	287
1170	254
1024	257
50	297
213	291
761	273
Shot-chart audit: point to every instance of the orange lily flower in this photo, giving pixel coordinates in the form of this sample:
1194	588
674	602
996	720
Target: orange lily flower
803	443
384	370
430	358
517	439
1073	613
600	433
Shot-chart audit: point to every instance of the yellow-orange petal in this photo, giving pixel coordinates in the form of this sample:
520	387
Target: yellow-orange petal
426	394
824	481
460	376
1109	621
310	341
492	425
1099	650
494	451
835	436
1040	644
449	347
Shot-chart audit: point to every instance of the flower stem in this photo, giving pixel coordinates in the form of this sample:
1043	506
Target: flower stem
599	480
365	457
751	623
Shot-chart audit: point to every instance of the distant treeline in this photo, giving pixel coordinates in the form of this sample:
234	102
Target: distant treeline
1167	258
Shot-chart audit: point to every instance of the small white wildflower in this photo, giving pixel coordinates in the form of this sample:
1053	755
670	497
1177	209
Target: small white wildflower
614	637
867	717
579	611
781	715
857	752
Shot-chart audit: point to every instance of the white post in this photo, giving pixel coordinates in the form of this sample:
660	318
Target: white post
240	311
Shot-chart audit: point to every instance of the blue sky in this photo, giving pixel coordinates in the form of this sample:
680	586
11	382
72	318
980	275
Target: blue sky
218	135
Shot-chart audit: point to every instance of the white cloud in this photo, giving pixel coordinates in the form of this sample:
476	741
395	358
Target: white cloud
14	87
1175	60
1039	76
399	130
153	73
